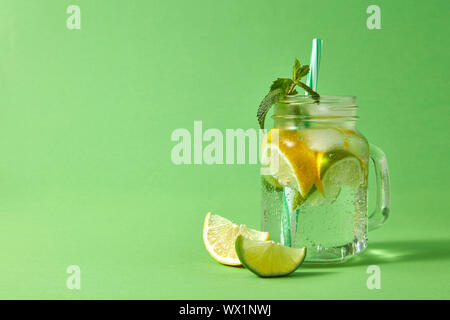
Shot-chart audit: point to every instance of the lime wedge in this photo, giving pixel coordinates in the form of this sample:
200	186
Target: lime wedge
267	258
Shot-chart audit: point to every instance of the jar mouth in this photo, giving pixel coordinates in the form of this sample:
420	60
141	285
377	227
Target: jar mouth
324	108
348	101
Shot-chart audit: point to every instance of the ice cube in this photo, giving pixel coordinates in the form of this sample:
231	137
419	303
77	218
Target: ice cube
323	140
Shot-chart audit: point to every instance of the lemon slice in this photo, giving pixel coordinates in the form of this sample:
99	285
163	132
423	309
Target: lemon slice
267	258
219	236
290	162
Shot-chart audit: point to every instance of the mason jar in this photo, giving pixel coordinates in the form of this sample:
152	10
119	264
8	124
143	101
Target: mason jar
315	176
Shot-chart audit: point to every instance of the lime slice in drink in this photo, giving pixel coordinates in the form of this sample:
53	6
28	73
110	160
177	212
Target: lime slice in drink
339	169
271	183
267	258
219	236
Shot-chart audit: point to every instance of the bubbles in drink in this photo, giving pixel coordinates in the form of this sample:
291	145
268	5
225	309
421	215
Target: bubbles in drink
331	219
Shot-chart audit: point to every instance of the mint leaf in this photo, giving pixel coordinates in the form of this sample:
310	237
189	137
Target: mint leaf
296	70
282	83
282	87
270	99
304	70
299	71
310	91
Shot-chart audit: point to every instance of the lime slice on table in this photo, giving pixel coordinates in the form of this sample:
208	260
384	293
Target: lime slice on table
219	236
267	258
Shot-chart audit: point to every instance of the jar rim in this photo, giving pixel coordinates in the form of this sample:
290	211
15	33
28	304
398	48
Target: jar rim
323	108
349	101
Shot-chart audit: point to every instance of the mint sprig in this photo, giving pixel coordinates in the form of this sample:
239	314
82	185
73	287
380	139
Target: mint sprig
282	87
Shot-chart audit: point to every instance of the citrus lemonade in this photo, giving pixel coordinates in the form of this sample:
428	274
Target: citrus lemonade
315	195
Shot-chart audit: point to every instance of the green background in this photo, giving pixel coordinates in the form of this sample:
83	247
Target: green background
86	116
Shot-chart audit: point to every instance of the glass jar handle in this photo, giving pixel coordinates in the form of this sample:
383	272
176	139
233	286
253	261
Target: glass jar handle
381	211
